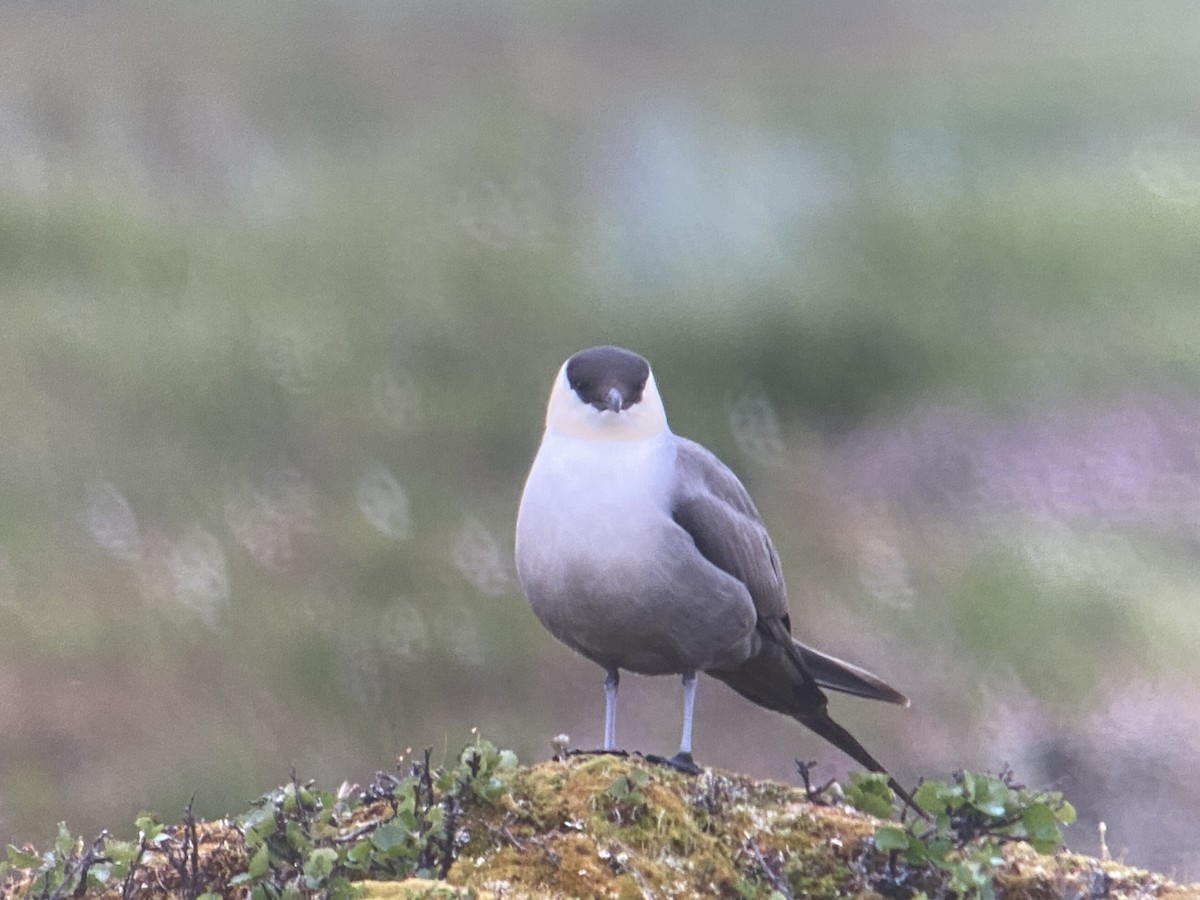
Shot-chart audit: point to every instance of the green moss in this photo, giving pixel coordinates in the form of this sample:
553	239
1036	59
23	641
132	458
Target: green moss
562	832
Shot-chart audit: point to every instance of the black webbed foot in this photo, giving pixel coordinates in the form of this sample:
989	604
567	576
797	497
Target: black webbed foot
680	762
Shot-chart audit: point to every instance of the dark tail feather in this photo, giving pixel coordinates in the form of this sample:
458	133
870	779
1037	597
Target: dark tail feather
823	725
839	675
779	678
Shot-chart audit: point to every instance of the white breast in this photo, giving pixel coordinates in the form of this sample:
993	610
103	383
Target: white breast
593	503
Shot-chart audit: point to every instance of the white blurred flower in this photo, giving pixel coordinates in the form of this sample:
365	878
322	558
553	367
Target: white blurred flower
384	502
199	574
457	629
1167	162
755	427
268	518
477	555
403	632
110	521
396	399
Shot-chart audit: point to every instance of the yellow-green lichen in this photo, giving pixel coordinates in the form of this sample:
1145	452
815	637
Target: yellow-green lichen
561	828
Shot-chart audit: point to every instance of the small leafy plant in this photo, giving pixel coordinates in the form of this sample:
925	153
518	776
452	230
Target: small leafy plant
296	841
626	796
301	839
970	819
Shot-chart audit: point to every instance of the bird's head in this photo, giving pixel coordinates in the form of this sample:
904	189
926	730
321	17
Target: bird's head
606	393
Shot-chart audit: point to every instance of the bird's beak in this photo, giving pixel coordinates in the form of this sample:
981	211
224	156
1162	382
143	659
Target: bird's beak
613	400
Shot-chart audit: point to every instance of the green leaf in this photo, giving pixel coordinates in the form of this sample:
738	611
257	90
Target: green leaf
258	825
1041	828
296	837
389	836
987	794
485	752
23	859
260	863
1066	813
306	798
489	788
508	760
938	848
359	856
148	826
869	793
891	837
121	852
619	789
917	853
289	799
938	798
319	866
639	777
64	843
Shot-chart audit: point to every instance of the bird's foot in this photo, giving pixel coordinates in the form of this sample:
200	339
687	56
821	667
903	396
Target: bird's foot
680	762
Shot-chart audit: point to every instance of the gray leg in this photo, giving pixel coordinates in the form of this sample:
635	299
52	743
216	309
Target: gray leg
689	703
683	759
610	709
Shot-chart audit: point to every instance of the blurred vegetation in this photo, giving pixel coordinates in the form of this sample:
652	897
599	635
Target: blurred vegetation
284	290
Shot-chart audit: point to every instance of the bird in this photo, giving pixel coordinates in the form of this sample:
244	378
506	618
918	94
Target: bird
643	552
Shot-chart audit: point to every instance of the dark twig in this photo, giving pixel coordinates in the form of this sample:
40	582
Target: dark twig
80	868
452	808
813	794
301	810
189	858
186	861
382	788
127	884
427	776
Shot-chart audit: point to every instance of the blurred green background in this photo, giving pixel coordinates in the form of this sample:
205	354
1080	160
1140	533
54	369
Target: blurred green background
284	290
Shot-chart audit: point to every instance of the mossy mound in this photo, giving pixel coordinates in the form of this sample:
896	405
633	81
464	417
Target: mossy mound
584	826
615	827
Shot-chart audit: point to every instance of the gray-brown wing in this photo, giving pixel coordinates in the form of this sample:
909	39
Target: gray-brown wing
715	509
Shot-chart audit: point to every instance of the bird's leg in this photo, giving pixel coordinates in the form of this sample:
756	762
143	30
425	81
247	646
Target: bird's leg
610	709
689	703
683	759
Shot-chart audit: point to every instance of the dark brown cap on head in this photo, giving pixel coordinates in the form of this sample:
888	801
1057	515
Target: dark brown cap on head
594	374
